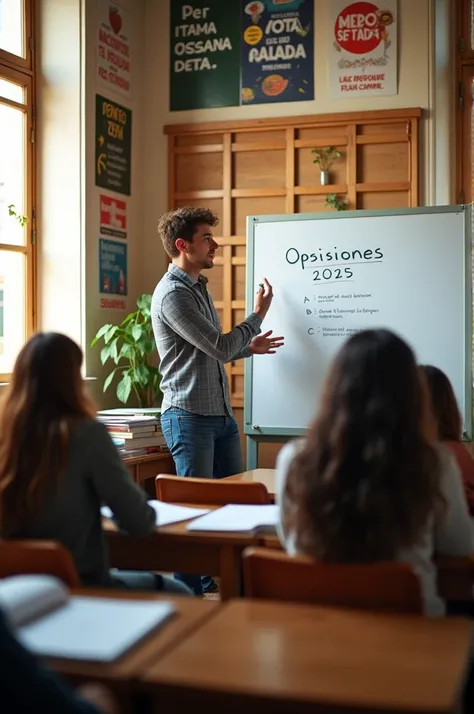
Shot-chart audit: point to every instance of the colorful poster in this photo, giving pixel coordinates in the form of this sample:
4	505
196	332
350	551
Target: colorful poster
277	51
204	54
112	267
113	146
363	53
113	216
113	47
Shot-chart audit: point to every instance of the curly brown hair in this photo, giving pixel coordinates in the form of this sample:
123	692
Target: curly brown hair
366	480
182	223
444	404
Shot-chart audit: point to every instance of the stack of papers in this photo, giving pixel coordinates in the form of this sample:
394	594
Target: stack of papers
166	513
237	519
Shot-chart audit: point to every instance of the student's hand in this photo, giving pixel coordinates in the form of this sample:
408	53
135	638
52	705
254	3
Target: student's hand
266	345
264	299
100	697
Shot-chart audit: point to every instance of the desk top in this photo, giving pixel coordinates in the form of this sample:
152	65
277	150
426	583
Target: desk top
305	654
265	476
191	613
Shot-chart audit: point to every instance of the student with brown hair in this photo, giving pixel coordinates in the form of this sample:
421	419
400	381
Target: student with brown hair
449	425
369	483
58	466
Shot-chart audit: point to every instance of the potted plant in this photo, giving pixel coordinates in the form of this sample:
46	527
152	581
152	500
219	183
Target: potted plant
130	346
336	202
325	157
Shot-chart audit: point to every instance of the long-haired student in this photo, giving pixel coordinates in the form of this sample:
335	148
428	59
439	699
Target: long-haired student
58	466
449	425
369	483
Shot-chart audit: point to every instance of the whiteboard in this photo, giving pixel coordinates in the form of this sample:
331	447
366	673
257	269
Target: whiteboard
334	274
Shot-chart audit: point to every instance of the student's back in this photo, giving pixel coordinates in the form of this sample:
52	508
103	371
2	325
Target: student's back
368	483
70	511
58	465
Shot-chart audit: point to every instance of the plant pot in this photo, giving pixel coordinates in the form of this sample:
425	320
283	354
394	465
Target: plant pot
324	178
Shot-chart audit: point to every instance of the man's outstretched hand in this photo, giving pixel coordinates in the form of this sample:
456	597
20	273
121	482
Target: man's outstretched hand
265	344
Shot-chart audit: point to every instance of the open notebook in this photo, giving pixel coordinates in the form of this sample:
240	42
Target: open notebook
237	519
52	623
166	513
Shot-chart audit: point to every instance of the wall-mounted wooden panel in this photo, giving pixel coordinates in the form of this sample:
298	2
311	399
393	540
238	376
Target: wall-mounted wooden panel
265	166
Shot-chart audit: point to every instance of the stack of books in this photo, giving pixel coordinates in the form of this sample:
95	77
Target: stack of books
135	432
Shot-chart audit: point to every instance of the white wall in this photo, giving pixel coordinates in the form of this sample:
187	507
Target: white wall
420	71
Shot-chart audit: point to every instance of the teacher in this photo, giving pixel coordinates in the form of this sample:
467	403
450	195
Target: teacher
196	418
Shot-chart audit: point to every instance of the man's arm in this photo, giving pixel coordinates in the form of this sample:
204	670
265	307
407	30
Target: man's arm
181	312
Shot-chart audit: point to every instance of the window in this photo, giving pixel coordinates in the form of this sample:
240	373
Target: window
17	213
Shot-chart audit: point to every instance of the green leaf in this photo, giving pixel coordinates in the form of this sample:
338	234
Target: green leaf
100	333
114	350
105	354
126	351
110	333
137	332
108	381
142	375
130	317
124	388
144	303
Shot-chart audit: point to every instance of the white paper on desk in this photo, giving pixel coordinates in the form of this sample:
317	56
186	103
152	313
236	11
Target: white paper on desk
166	513
96	629
236	518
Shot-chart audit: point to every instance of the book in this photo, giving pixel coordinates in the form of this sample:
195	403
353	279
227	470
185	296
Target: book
236	518
50	622
140	442
166	513
134	411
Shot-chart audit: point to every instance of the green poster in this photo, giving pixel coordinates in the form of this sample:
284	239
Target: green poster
113	145
204	54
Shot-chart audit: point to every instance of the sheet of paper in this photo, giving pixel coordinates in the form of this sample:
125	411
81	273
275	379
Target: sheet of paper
96	629
237	518
166	513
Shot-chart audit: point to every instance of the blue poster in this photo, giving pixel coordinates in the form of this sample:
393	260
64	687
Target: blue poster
277	51
112	267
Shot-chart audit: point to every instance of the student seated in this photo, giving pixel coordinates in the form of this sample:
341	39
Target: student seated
449	425
368	483
58	466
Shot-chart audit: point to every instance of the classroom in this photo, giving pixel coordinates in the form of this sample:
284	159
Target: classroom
236	356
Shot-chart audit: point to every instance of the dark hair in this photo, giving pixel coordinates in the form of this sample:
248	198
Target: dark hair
45	395
443	403
366	480
182	223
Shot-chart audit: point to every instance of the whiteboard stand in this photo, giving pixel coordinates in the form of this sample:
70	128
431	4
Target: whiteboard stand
425	270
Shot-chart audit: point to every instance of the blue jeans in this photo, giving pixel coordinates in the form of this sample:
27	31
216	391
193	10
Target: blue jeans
203	447
142	580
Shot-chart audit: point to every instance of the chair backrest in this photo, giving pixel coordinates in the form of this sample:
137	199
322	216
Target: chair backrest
45	557
385	587
210	492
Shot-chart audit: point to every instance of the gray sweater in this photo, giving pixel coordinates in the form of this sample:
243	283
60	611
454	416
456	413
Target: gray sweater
95	476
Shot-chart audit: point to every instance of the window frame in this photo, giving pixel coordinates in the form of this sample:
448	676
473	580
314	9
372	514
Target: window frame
464	59
26	63
22	71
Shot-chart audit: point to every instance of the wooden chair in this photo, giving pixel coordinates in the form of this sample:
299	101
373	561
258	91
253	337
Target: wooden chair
209	492
45	557
383	587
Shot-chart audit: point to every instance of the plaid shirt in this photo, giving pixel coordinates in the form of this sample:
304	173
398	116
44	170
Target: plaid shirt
191	345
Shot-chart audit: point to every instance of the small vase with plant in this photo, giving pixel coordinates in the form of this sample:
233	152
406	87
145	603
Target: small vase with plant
130	346
325	157
336	202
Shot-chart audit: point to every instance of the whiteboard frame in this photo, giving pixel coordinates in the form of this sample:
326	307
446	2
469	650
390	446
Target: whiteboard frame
255	431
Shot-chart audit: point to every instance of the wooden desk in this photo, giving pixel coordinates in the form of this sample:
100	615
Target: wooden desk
279	658
149	465
174	549
121	676
265	476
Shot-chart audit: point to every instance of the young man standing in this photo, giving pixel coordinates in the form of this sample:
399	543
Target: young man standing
196	419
